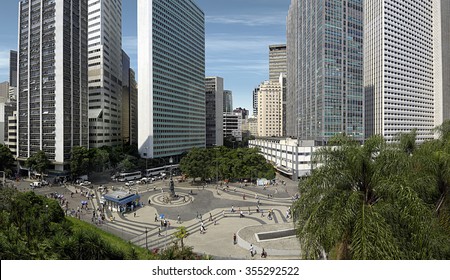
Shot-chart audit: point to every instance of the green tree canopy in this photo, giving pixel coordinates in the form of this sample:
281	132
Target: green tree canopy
361	204
6	159
38	162
79	161
226	163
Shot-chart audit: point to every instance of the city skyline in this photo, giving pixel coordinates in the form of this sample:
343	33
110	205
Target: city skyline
238	35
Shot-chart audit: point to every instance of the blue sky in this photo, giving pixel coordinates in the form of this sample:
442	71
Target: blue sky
238	33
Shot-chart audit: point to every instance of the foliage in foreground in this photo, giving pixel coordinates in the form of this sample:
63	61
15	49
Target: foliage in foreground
34	227
377	201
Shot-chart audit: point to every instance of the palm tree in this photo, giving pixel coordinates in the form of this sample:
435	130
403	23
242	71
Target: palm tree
359	204
181	234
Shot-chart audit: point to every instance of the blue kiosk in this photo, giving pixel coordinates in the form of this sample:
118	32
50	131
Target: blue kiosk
121	201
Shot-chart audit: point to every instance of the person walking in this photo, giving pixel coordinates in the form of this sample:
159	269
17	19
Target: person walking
252	250
234	239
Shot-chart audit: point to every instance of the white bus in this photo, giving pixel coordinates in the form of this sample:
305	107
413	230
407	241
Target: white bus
123	177
160	170
155	171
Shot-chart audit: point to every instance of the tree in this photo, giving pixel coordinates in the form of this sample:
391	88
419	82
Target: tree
99	159
38	162
181	234
360	205
79	161
195	164
6	159
128	164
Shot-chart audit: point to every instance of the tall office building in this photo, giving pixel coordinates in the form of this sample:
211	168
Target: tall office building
398	62
270	109
227	101
129	102
325	69
232	126
105	72
214	111
255	101
442	61
171	50
277	61
13	68
52	81
4	92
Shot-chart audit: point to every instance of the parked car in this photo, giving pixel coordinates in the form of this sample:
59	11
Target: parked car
35	185
130	183
85	183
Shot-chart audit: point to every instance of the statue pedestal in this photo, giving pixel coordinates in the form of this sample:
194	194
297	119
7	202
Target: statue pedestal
172	188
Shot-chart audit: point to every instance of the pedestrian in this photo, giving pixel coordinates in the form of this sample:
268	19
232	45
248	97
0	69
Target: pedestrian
134	214
234	238
156	217
241	214
263	253
179	219
243	196
232	208
159	231
252	250
210	217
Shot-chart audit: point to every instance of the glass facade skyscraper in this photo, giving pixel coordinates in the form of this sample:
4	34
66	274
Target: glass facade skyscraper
171	99
325	69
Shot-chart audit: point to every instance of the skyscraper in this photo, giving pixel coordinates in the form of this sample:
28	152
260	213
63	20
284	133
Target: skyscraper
398	62
171	50
129	102
214	111
269	109
105	72
12	68
52	80
255	101
443	31
325	69
227	101
277	61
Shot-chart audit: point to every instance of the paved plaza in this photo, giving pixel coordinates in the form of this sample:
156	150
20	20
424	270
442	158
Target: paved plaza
209	204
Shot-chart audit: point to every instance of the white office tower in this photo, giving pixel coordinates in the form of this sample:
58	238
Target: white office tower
105	72
171	67
52	79
399	77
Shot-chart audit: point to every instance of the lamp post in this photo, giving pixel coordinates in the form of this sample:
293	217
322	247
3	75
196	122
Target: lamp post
146	158
146	244
171	184
217	166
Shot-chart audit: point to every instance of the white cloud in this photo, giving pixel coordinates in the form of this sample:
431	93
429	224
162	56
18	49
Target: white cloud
249	20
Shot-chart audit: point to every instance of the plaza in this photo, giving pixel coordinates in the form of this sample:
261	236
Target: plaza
198	203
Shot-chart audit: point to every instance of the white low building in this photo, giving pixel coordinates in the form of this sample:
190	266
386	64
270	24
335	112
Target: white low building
289	157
